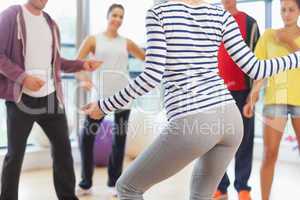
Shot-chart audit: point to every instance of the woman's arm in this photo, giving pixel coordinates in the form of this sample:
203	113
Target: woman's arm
254	94
88	46
153	72
245	58
261	52
134	50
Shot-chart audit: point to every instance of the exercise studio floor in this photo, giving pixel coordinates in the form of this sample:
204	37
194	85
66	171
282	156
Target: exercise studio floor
37	185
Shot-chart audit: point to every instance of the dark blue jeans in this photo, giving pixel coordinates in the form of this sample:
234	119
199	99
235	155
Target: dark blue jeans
244	155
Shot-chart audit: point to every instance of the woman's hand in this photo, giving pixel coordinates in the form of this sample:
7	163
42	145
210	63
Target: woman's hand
93	111
248	109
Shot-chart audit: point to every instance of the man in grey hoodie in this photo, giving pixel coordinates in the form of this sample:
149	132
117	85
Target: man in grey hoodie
30	68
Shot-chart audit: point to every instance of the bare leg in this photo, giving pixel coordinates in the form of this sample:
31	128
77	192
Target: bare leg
273	131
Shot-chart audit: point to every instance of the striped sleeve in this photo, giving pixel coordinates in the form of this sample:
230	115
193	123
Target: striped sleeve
245	58
153	72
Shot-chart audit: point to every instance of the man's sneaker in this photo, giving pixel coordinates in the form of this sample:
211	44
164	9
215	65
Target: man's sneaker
220	195
244	195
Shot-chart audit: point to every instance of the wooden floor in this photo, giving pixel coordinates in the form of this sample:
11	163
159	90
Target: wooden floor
37	185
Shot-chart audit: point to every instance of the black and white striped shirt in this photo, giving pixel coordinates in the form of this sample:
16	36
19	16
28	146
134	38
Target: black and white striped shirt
182	50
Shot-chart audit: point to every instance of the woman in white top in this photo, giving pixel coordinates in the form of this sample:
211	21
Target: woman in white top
113	50
204	122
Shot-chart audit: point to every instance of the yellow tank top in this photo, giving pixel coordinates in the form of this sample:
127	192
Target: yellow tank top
283	88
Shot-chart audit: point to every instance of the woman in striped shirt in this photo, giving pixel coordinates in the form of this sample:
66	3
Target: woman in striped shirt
204	122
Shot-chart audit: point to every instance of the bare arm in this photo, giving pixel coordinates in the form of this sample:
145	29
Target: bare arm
254	94
135	50
88	46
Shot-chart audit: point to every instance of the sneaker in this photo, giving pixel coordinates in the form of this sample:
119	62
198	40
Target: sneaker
220	195
80	192
112	191
244	195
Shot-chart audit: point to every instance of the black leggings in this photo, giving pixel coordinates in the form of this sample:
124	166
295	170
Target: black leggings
87	139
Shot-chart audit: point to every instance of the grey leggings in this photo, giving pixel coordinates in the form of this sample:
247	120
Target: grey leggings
212	137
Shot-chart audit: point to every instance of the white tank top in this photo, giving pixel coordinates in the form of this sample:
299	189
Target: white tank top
113	75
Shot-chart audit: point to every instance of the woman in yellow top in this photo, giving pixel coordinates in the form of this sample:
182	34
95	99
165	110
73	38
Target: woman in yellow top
282	92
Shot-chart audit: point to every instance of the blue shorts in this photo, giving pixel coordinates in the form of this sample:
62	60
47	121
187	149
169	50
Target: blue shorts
281	110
